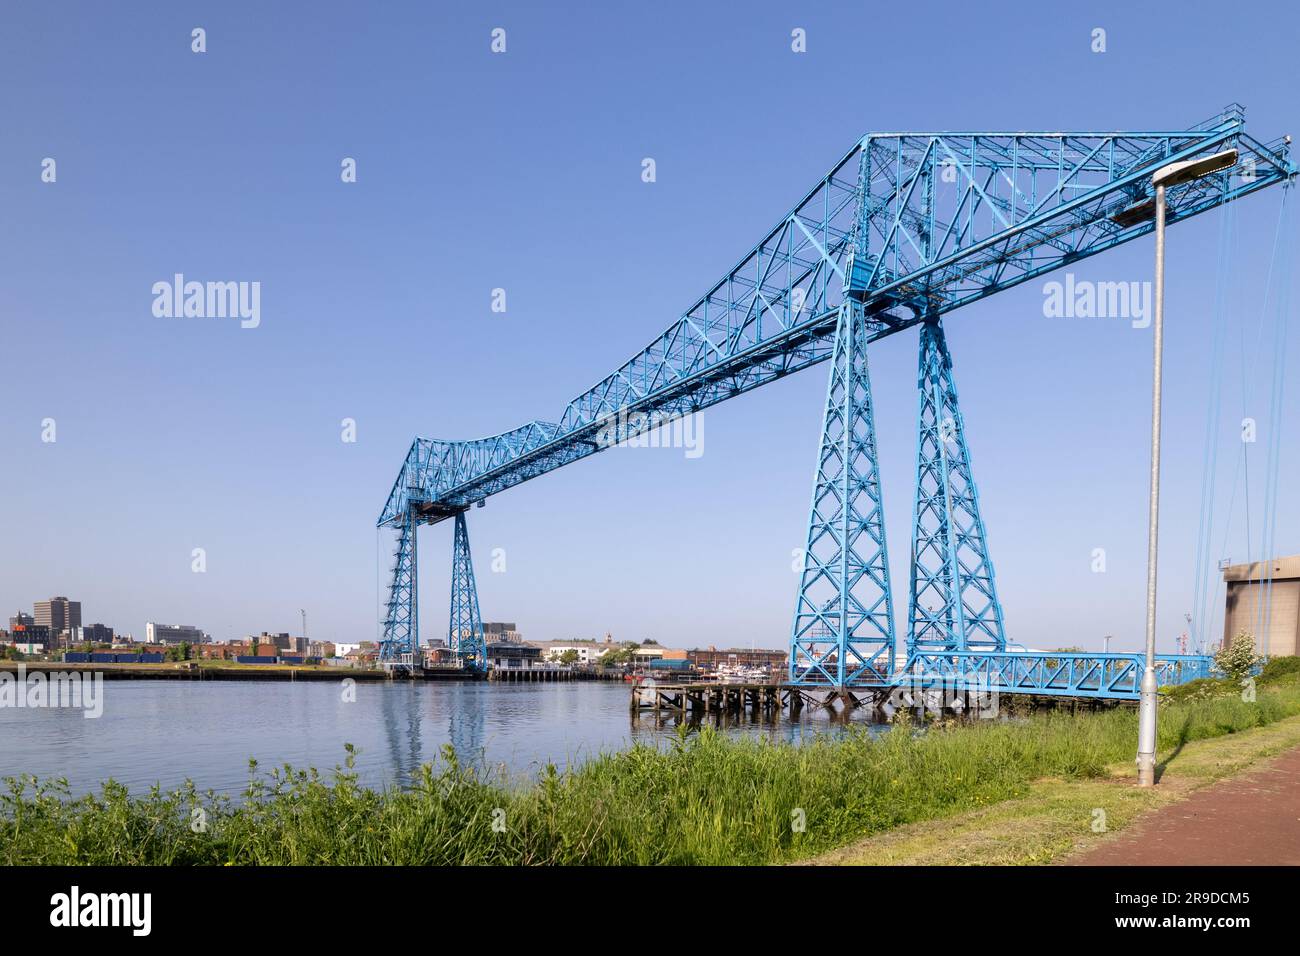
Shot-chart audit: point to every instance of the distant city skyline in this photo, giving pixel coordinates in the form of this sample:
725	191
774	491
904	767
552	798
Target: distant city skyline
153	631
199	469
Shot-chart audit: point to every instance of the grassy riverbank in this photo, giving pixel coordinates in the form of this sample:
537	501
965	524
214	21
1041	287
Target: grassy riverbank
1057	819
706	799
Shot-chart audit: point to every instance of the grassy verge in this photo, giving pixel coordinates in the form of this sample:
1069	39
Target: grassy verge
705	799
1055	818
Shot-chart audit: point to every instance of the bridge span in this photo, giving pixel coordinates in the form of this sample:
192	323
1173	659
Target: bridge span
903	229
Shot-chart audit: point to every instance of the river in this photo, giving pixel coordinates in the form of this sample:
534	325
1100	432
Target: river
166	731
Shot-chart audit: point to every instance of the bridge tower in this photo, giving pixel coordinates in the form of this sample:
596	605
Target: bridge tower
402	621
953	602
843	629
465	633
400	645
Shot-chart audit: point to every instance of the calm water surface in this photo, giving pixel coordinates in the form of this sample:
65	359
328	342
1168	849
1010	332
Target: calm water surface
163	732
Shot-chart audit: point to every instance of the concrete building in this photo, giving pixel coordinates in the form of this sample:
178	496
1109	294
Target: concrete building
253	647
500	631
58	614
284	643
1263	599
588	651
29	635
20	619
173	634
94	633
365	651
513	655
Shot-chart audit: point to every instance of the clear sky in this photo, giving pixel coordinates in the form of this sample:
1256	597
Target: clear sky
522	171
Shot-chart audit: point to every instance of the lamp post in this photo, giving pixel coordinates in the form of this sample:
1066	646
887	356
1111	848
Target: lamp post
1172	175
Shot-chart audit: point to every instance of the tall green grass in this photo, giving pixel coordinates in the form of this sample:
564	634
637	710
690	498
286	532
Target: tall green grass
702	799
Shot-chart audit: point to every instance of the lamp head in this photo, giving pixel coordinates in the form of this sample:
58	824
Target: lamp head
1176	174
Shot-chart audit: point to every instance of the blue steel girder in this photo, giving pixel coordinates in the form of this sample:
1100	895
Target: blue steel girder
843	629
953	602
402	616
465	630
909	224
1047	673
400	643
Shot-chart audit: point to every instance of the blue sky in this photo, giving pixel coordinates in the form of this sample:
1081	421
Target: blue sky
522	171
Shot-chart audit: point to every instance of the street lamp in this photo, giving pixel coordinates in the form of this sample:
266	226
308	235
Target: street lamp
1173	174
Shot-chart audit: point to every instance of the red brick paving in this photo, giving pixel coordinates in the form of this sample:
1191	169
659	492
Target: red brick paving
1249	820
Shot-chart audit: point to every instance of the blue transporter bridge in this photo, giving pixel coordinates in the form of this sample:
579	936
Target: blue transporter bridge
904	229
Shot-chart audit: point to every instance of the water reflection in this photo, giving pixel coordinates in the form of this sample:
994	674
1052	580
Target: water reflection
465	730
401	718
163	732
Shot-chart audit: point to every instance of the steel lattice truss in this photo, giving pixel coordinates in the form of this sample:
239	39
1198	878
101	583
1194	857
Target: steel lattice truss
1111	676
910	224
402	618
465	632
953	601
843	629
904	228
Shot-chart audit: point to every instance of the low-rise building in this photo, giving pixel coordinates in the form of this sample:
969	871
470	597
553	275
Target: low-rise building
279	641
173	634
93	633
512	655
439	656
500	631
29	635
586	651
365	651
253	647
711	658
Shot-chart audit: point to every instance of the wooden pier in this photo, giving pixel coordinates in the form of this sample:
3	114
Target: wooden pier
533	675
766	699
